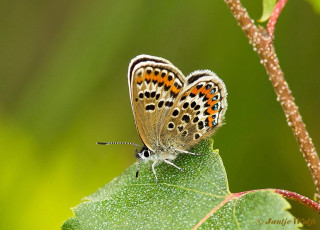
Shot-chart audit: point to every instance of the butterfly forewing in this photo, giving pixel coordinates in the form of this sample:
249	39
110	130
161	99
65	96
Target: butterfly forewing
154	85
198	111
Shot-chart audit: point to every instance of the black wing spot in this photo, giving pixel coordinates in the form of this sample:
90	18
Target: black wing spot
196	119
172	94
169	103
185	133
147	94
206	105
197	107
200	125
158	96
153	94
150	107
176	84
196	136
206	113
185	105
140	95
206	122
193	104
160	104
180	128
205	99
170	126
175	113
185	118
183	98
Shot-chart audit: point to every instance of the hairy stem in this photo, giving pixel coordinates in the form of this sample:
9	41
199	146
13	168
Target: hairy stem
299	198
290	195
263	44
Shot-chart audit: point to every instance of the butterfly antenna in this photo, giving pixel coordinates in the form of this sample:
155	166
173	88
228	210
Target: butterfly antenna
118	143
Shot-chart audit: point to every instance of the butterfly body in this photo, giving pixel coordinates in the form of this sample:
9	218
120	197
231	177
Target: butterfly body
172	112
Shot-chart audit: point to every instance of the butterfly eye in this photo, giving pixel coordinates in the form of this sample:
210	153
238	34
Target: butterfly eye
146	153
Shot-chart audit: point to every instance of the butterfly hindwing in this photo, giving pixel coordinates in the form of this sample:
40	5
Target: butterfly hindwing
154	85
198	111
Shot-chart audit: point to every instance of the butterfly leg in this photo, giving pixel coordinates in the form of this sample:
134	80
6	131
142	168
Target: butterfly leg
154	171
138	169
170	163
187	152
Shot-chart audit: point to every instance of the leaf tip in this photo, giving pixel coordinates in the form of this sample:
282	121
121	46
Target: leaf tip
268	6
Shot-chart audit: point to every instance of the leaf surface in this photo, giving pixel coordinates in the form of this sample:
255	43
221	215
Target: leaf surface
199	197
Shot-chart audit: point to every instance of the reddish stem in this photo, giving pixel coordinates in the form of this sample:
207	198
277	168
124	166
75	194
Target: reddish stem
299	198
289	195
274	17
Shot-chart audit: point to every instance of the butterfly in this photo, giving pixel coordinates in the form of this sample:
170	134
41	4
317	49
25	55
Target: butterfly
172	112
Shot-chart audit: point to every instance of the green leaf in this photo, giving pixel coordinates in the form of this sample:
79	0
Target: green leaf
315	4
268	6
179	200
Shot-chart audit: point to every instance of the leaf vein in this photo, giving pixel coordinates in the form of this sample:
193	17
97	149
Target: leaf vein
211	182
234	213
183	188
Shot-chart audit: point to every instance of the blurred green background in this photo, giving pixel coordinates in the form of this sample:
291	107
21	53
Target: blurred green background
63	86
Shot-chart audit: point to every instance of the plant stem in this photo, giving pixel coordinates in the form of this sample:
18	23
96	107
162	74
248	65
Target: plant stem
274	17
299	198
263	44
287	194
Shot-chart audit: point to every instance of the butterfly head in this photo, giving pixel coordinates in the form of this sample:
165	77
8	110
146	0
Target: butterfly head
144	154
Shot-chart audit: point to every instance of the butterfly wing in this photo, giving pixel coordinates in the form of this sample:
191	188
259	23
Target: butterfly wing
198	111
154	85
